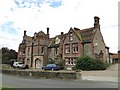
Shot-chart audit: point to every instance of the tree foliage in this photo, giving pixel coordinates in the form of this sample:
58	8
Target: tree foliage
7	55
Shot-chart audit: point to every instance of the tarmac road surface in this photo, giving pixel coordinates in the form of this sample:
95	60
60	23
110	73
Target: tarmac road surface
20	82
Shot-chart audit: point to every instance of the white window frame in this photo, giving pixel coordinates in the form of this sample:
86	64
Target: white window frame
70	61
67	48
75	48
106	51
71	36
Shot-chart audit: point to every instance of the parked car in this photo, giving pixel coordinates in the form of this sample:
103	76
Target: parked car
19	65
51	67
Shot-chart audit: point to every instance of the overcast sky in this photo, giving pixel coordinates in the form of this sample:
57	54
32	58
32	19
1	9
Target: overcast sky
59	15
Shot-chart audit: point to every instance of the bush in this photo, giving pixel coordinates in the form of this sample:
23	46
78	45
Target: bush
89	63
61	64
74	68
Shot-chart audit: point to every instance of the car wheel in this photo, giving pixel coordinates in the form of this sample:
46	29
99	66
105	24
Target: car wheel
18	67
43	69
13	67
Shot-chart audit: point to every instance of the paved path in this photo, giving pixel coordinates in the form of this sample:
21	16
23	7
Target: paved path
109	75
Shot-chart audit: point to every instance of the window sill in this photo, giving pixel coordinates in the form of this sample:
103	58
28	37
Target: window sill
75	52
67	52
56	54
70	64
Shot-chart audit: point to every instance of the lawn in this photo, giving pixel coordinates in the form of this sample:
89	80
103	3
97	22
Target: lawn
4	88
5	66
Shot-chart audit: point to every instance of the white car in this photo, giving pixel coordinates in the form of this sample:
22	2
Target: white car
18	65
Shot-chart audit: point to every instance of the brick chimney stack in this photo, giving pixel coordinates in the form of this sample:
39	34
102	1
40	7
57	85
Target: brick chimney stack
62	33
25	33
96	22
48	32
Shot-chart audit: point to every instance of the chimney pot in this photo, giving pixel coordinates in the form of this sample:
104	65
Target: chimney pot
47	30
62	33
96	21
24	32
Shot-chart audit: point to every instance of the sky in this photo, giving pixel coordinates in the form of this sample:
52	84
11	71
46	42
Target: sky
59	15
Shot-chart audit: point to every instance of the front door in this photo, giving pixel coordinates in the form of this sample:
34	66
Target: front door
38	63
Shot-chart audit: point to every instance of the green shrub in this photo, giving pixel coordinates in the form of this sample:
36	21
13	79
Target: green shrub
74	68
5	66
61	64
90	63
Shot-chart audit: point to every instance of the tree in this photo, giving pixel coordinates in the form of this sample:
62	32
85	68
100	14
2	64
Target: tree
7	55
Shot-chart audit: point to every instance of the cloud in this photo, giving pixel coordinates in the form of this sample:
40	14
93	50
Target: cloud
27	3
59	15
9	28
37	3
56	4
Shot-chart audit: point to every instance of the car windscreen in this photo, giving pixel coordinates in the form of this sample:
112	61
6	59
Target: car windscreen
20	63
51	65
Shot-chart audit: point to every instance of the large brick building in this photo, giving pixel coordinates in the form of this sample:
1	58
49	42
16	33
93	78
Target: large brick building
40	49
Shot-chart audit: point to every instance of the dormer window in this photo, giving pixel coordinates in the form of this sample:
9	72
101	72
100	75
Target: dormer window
71	36
57	40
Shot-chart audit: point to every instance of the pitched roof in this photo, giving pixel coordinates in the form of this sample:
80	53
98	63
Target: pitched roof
52	40
86	35
41	33
77	32
29	38
116	56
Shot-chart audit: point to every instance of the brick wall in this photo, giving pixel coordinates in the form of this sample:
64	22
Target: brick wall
44	74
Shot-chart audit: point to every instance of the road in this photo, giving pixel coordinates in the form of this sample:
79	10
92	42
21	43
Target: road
20	82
